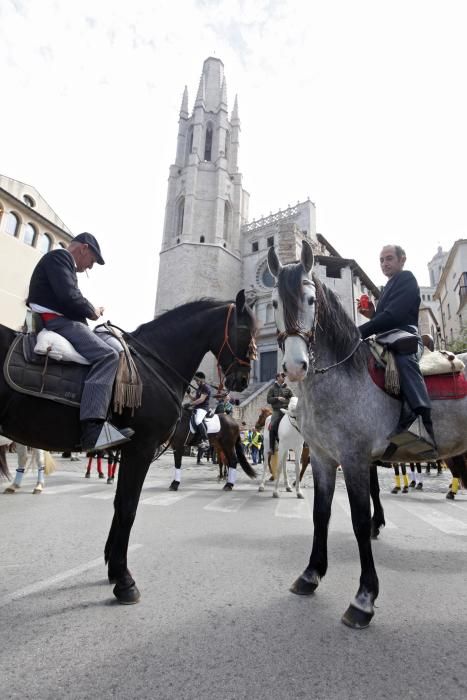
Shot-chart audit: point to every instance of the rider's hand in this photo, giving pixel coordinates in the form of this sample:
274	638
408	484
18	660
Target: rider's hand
369	312
98	312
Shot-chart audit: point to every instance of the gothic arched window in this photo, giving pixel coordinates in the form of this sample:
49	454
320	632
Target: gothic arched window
180	215
208	143
12	224
45	243
29	234
227	221
189	143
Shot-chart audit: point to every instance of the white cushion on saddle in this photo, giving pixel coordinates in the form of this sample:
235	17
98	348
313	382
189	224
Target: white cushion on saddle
437	362
292	407
213	425
58	348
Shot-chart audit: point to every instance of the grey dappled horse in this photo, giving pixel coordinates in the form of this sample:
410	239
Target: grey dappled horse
344	417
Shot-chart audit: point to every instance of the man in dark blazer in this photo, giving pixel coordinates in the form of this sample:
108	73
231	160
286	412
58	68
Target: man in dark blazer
54	294
398	308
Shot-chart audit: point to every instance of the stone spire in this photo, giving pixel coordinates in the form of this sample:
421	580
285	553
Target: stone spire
235	119
184	107
201	96
223	102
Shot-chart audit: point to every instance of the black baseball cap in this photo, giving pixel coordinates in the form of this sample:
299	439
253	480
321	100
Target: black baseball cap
200	375
91	241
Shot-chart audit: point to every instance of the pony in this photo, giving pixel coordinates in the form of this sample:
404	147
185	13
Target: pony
167	352
290	438
344	417
226	442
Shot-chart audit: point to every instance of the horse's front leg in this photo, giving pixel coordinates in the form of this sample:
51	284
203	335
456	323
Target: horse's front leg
265	471
324	479
133	469
357	478
377	521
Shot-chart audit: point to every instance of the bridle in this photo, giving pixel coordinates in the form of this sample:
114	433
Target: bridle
309	339
252	354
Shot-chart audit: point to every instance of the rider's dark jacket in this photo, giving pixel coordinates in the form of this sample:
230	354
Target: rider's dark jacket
274	393
397	307
54	285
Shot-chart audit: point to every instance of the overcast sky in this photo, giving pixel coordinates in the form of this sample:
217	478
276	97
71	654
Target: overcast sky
359	104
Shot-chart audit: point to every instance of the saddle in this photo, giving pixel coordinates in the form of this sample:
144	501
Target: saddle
43	376
47	366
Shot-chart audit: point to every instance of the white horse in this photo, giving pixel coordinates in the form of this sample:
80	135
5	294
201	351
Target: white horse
290	438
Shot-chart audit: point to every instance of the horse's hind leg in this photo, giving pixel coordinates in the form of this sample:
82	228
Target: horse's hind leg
360	611
178	454
324	479
231	458
298	489
134	466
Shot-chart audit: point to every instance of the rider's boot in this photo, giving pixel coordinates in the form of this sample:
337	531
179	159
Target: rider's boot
100	434
204	444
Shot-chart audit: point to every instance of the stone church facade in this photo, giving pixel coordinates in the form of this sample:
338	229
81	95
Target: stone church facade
209	248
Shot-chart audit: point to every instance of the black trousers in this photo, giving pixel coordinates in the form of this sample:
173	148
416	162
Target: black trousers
413	387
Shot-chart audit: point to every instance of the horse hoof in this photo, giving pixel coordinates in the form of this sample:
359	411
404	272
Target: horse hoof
87	476
450	496
228	486
288	489
38	488
110	480
300	495
174	485
356	619
261	488
127	596
101	476
275	494
304	585
374	533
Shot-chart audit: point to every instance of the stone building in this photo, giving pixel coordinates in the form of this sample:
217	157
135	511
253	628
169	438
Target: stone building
209	248
28	228
451	292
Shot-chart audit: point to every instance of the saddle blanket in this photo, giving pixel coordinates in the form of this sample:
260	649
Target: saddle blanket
439	386
213	425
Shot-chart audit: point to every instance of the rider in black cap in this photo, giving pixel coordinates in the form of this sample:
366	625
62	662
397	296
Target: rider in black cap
54	294
201	406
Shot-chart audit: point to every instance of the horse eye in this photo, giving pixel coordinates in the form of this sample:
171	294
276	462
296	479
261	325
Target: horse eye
311	301
274	303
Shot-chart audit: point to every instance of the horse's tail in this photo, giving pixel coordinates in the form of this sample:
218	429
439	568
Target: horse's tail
3	463
246	466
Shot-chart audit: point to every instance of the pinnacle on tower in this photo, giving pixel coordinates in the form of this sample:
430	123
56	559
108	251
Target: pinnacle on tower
201	96
223	102
235	118
184	107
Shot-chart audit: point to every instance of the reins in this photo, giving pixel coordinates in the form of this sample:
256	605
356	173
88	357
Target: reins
226	343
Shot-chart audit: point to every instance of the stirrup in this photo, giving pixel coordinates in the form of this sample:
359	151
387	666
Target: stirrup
109	436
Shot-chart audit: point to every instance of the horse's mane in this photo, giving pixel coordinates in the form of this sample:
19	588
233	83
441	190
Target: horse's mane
334	327
171	319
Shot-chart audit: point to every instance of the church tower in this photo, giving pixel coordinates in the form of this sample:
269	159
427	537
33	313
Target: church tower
206	203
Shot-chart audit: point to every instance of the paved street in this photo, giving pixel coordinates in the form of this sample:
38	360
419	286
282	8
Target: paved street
216	619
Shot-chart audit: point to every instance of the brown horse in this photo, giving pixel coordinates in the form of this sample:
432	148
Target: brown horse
226	443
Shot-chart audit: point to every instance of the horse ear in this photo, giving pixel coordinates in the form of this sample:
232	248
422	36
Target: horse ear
250	298
240	301
307	258
273	263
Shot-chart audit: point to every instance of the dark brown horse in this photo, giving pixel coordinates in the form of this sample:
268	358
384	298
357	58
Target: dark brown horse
226	442
167	351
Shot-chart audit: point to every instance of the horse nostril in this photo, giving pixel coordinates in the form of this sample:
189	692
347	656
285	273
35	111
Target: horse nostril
305	365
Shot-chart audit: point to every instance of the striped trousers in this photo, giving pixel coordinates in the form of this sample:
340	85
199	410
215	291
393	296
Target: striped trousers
97	391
